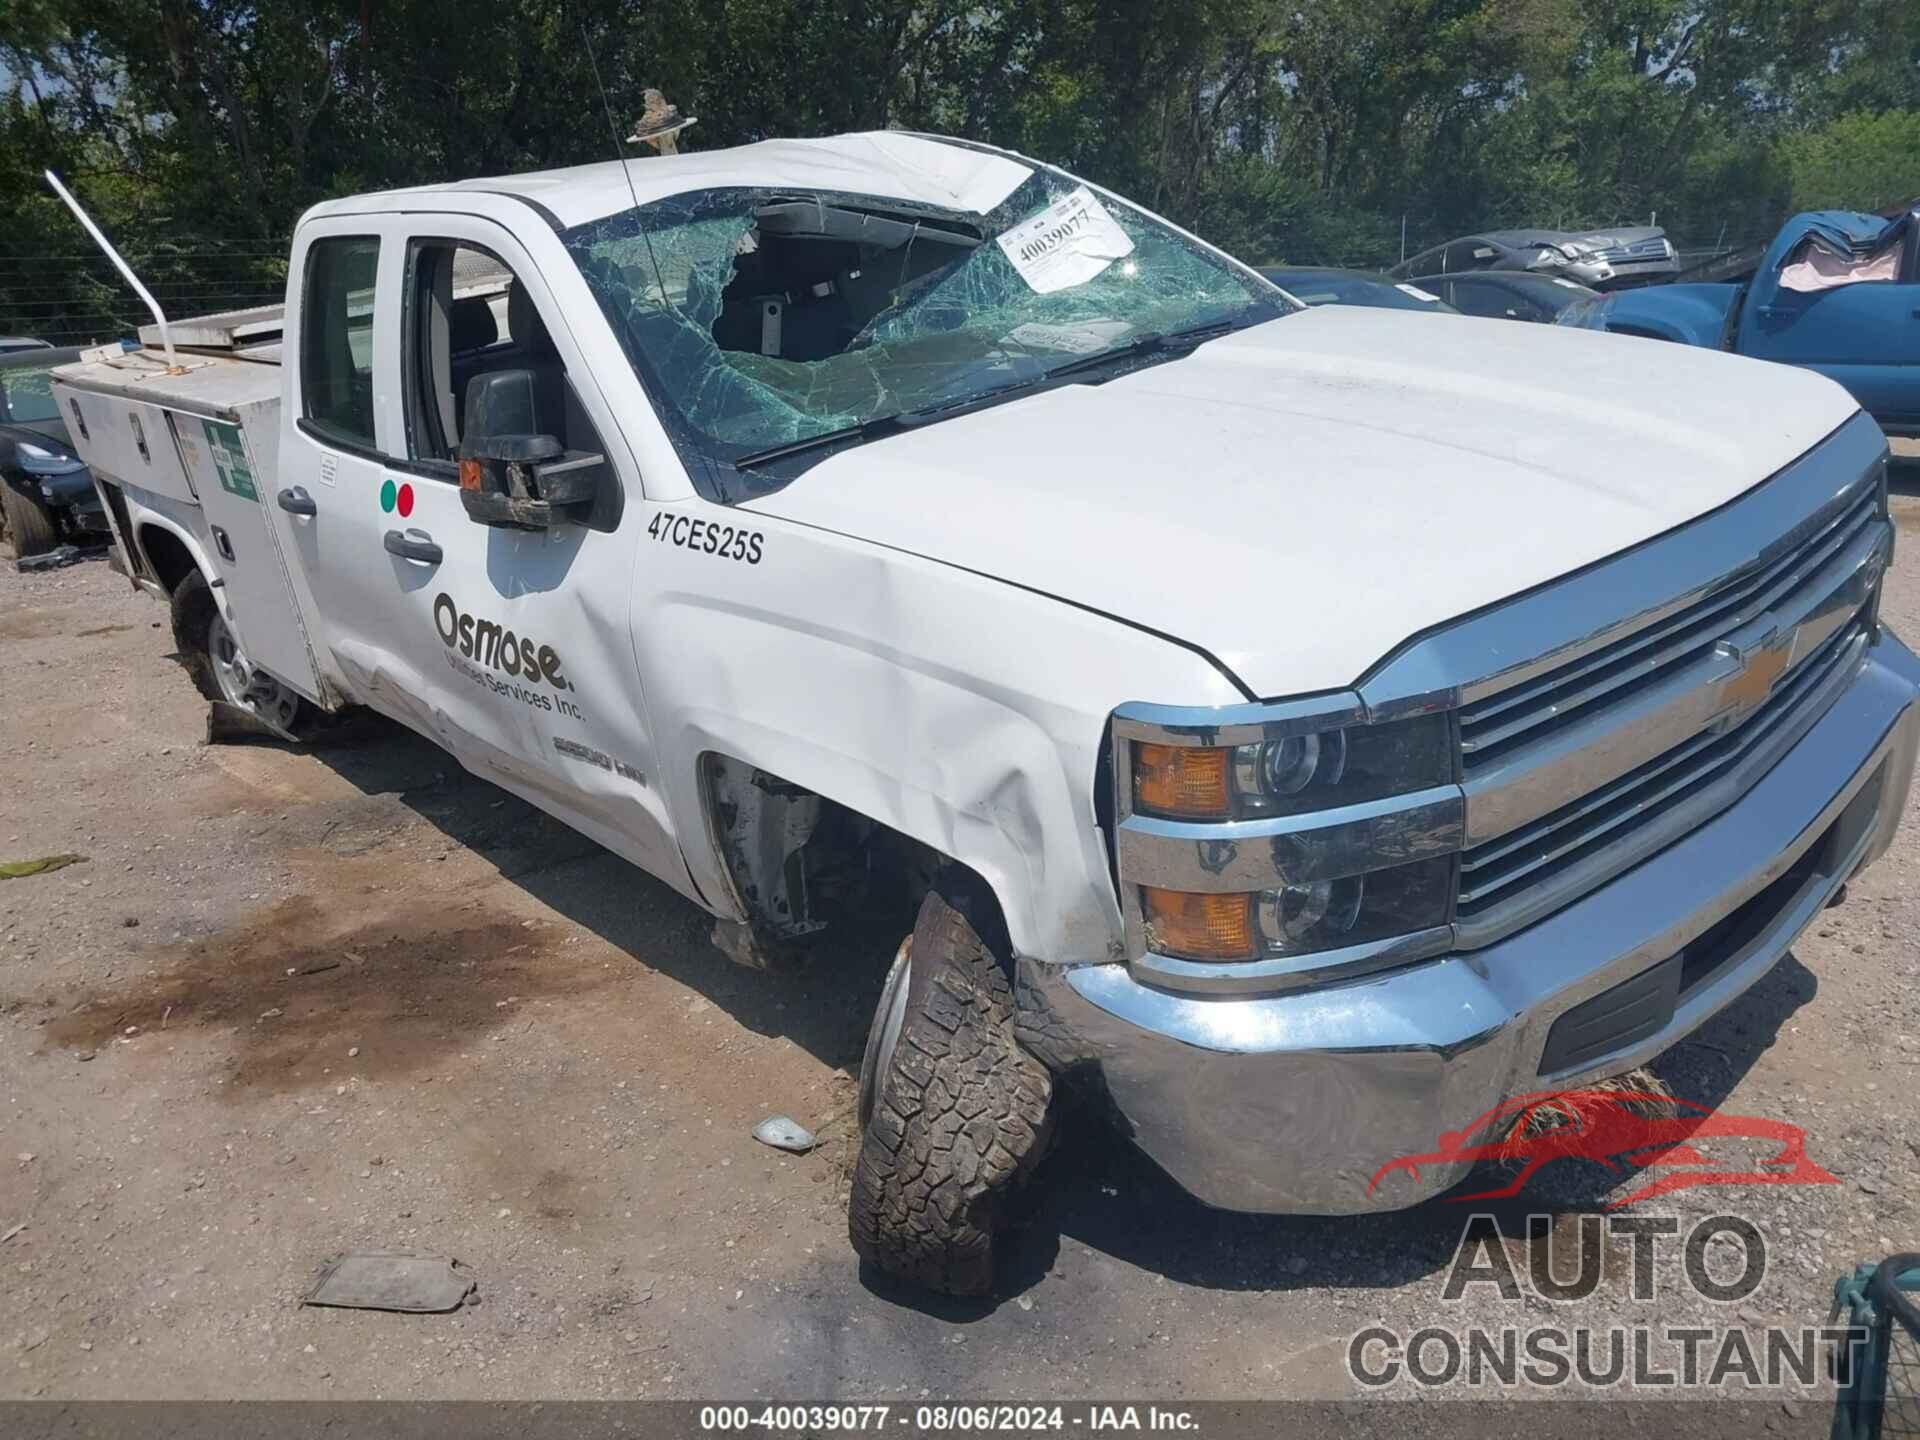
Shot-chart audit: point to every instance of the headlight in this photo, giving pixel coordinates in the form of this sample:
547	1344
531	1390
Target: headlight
1282	768
1298	919
1313	770
38	460
1267	841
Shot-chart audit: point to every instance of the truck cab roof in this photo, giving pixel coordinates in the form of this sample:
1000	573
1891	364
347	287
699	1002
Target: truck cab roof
918	169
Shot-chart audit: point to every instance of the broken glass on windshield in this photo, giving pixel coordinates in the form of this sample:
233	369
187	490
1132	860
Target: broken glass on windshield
758	318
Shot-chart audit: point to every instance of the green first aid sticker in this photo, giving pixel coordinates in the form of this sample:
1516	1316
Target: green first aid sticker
230	459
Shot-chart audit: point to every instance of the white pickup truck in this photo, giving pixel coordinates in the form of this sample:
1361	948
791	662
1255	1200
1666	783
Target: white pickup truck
1311	726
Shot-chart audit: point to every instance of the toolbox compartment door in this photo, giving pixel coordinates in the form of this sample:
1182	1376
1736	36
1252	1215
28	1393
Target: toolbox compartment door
235	490
126	440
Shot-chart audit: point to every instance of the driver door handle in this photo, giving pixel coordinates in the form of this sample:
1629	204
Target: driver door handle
417	546
296	501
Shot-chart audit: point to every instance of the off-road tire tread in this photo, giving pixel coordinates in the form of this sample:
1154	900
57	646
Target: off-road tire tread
192	609
962	1113
30	525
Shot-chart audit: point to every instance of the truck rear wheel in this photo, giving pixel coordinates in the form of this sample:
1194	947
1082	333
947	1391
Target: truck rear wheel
220	669
953	1112
29	523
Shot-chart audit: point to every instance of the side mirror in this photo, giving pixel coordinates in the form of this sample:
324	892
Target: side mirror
510	474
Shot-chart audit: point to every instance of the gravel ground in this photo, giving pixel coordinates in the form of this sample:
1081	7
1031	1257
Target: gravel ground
295	1003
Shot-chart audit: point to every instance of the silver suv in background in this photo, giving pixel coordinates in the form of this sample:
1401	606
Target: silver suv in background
1604	259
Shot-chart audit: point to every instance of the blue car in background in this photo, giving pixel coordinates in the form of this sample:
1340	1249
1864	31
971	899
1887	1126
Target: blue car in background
1837	292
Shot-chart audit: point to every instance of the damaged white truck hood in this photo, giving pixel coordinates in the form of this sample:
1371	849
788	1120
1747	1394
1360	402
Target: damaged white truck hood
1300	498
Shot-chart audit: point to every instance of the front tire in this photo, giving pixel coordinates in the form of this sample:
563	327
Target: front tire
954	1112
30	523
220	669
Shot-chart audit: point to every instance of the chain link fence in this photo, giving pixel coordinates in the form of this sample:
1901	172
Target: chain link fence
79	298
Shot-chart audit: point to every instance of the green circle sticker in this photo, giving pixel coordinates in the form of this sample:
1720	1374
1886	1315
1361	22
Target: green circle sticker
387	496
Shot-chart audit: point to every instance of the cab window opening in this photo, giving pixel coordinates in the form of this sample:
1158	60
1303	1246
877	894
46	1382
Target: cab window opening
465	314
336	340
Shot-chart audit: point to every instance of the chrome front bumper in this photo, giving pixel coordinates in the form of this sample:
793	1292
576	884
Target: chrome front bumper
1291	1102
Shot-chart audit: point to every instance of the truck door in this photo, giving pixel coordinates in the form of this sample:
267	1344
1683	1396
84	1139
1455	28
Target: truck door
510	647
333	429
1865	335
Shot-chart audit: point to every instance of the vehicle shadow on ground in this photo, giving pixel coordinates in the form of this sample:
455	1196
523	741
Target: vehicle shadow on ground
1903	475
1094	1188
824	1009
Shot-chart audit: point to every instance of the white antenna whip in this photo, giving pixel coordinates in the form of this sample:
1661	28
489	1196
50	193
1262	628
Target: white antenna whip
166	335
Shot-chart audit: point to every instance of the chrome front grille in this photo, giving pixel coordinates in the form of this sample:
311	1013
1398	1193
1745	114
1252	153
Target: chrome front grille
1560	698
1578	771
1628	254
1640	808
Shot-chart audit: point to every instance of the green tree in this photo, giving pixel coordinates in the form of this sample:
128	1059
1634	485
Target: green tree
1856	162
197	130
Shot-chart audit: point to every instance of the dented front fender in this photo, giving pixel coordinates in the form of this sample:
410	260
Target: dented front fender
965	713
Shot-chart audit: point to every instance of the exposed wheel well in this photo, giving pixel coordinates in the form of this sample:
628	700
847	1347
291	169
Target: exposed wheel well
167	556
803	866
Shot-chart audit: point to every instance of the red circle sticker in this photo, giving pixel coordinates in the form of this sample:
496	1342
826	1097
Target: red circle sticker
405	503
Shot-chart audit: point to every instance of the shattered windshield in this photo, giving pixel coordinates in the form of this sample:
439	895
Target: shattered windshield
758	318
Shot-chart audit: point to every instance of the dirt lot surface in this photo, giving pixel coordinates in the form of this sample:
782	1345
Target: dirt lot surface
299	1002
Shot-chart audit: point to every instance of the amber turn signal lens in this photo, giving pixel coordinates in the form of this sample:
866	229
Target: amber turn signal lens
470	475
1181	780
1199	927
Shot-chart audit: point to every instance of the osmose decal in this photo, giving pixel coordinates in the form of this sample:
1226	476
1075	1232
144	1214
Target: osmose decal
495	646
477	647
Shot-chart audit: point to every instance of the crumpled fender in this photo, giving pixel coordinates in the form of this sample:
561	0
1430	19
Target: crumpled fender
964	712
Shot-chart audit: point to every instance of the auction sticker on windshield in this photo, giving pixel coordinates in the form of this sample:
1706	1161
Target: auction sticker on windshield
1066	244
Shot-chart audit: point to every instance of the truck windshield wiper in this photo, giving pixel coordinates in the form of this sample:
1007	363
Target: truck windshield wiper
1154	344
881	426
874	429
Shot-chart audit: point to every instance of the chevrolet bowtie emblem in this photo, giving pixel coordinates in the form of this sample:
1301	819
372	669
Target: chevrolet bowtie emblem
1765	664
